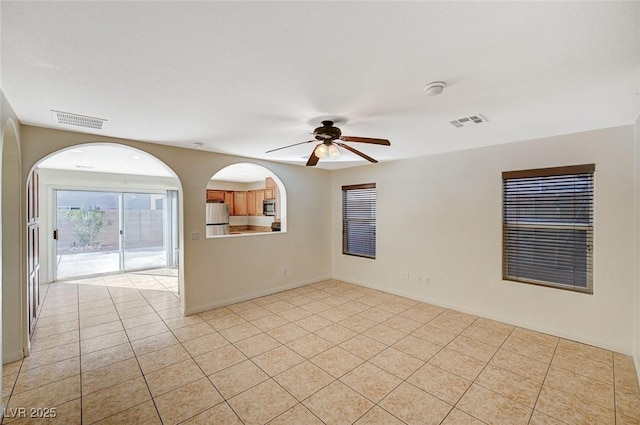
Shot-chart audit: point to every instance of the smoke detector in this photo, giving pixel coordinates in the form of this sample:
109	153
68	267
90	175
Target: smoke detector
435	88
77	120
198	145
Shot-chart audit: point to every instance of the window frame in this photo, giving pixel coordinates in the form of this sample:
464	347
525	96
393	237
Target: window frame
345	220
558	225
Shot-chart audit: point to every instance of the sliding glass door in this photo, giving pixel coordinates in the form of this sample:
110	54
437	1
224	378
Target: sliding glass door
106	232
87	232
144	231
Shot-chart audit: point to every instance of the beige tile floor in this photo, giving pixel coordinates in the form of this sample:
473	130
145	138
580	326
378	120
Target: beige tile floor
326	353
161	279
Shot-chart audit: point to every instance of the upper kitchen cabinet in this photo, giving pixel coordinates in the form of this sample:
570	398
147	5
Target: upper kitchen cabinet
270	188
245	187
215	195
230	200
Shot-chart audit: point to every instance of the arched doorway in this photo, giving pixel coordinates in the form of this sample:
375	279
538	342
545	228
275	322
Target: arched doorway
110	208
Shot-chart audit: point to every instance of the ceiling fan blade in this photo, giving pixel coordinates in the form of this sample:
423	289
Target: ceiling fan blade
289	146
384	142
357	152
313	159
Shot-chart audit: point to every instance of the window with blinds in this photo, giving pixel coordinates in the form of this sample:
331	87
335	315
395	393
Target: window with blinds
548	227
359	220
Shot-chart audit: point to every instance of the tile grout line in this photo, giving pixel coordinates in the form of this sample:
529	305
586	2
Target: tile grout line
472	382
338	345
489	389
224	400
544	380
137	361
78	303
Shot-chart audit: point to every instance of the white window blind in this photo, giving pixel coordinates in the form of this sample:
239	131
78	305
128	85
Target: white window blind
548	226
359	220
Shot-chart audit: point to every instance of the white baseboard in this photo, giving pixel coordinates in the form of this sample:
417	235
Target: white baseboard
12	356
253	295
489	315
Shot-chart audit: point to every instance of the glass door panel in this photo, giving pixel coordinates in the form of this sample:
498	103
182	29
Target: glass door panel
144	231
88	233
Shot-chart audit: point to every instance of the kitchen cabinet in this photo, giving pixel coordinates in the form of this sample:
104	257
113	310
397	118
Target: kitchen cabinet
251	202
269	194
229	200
215	195
259	199
240	202
270	188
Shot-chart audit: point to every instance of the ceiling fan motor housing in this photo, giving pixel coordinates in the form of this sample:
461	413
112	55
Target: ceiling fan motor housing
327	132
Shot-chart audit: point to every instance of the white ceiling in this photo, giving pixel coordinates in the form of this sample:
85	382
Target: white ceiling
242	172
107	159
245	77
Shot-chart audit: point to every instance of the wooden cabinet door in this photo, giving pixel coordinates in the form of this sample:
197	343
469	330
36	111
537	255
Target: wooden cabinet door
215	195
269	194
240	202
251	202
259	199
229	200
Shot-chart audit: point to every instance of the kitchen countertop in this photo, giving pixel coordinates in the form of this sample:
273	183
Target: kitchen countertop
240	232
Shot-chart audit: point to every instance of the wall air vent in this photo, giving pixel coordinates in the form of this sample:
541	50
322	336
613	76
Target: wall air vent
77	120
466	121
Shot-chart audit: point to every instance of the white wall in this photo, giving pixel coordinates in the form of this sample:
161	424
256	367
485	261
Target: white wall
10	316
440	216
220	271
51	179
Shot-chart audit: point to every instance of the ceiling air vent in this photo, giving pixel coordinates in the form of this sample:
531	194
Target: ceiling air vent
77	120
473	119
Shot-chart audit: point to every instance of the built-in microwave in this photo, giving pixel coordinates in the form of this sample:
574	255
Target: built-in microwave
269	207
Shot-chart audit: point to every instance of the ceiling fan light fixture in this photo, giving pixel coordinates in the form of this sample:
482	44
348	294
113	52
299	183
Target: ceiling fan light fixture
321	151
333	151
435	88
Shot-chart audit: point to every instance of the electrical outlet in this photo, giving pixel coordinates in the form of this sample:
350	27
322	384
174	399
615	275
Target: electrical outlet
195	236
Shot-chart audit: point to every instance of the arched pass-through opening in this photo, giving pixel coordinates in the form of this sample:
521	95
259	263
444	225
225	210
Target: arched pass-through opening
245	199
13	305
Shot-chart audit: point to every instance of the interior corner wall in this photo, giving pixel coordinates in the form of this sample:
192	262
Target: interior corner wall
13	316
219	271
440	216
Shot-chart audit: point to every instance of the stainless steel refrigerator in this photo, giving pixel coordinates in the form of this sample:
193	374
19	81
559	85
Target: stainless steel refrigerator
217	219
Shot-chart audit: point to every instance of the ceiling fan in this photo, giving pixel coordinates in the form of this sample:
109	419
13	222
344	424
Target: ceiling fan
328	135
